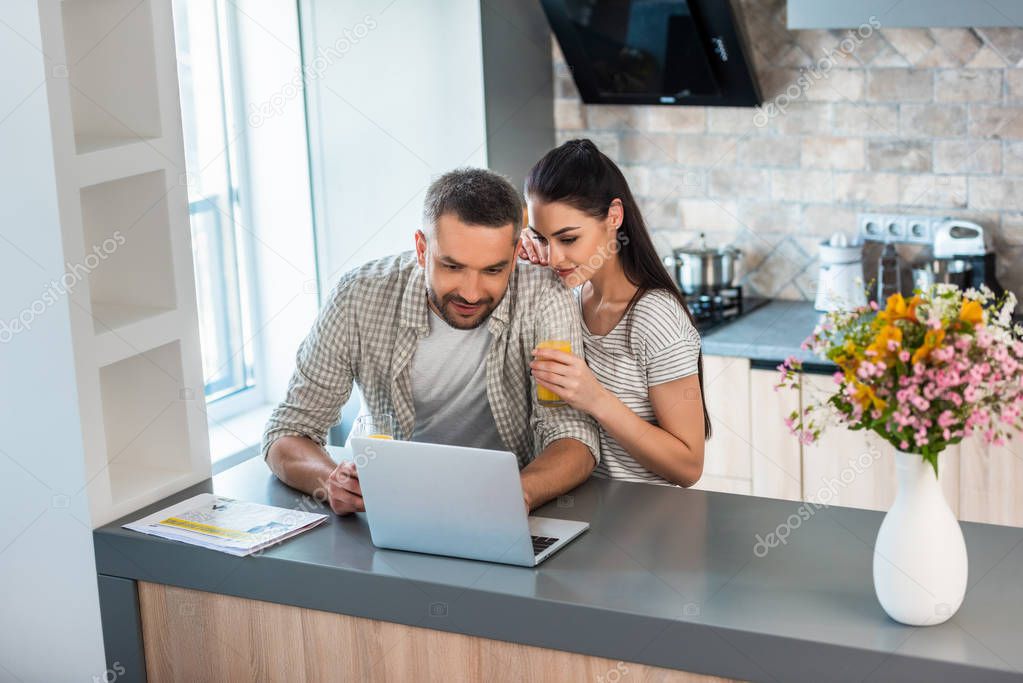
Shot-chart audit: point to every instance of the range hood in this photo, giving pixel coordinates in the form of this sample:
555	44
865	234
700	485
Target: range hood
654	51
842	14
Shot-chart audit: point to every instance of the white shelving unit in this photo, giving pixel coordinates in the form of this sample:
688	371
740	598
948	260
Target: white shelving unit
116	122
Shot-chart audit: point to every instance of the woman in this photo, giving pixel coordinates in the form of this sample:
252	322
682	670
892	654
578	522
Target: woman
642	379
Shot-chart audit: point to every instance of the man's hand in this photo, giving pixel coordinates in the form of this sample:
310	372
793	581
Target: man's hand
562	466
303	464
526	497
344	491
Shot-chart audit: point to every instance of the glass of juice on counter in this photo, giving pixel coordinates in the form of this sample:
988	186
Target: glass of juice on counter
376	426
553	335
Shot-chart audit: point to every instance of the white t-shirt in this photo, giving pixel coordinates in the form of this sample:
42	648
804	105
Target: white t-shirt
664	346
449	387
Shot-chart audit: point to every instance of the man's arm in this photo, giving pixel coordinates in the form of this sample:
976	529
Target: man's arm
560	467
302	464
295	435
569	439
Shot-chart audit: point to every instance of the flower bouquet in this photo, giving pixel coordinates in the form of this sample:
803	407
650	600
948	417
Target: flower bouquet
923	374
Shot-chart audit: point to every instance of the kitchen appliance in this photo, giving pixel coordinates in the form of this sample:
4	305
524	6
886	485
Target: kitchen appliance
889	272
840	279
956	239
715	308
704	275
666	52
927	272
702	269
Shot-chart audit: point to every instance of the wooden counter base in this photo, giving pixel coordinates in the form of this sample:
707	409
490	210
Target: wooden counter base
195	636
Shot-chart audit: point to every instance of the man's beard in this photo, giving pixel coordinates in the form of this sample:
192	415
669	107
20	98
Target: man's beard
450	318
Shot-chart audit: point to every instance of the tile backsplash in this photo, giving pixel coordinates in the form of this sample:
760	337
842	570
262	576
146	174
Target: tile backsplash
926	121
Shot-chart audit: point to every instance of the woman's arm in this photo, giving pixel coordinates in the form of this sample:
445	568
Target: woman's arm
672	449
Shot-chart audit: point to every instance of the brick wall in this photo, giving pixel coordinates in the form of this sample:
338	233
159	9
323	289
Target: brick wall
912	120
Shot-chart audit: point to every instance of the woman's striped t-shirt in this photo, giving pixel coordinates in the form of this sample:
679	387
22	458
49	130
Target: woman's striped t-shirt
663	346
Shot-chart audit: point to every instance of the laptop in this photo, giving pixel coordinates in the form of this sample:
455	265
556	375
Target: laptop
453	500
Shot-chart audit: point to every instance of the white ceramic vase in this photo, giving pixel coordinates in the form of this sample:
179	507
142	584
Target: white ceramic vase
920	563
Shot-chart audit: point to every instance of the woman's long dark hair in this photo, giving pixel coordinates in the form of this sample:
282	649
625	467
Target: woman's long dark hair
580	175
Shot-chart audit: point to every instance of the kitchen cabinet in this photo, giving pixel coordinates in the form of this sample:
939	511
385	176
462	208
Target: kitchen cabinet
727	464
752	452
776	454
991	482
840	14
857	468
846	467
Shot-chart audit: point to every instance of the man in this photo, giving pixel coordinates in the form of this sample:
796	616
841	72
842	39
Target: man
442	339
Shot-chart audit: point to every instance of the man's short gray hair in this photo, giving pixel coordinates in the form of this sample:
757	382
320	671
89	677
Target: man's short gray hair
476	196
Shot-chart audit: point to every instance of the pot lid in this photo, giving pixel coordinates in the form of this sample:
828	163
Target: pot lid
701	249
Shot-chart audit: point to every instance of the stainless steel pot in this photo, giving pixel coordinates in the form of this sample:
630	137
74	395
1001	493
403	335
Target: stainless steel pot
952	271
703	269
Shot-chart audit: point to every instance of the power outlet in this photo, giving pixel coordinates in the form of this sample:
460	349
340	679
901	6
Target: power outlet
920	229
895	228
890	227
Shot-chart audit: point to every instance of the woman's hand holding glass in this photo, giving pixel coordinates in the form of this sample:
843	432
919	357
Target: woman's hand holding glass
569	377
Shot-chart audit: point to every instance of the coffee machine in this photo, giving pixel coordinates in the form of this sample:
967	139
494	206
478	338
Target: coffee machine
959	240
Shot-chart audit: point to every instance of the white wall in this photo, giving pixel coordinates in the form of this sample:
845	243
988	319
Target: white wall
399	103
49	612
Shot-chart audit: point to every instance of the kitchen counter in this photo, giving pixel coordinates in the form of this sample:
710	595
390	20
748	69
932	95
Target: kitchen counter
666	577
771	333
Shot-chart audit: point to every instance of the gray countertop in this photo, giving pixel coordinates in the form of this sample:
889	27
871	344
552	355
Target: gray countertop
771	333
665	576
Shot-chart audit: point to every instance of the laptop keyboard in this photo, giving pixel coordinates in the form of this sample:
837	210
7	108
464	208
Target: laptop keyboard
542	543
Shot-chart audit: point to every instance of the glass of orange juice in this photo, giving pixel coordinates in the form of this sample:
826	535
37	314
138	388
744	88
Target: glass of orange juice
375	426
553	335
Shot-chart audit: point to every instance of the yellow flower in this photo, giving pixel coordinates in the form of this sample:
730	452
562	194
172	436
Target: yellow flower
898	308
849	357
932	341
866	397
972	312
880	344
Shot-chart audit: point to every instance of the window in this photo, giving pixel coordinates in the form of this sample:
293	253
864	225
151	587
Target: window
251	209
214	157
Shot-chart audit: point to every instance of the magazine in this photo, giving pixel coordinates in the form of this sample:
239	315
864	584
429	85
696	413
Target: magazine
225	524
